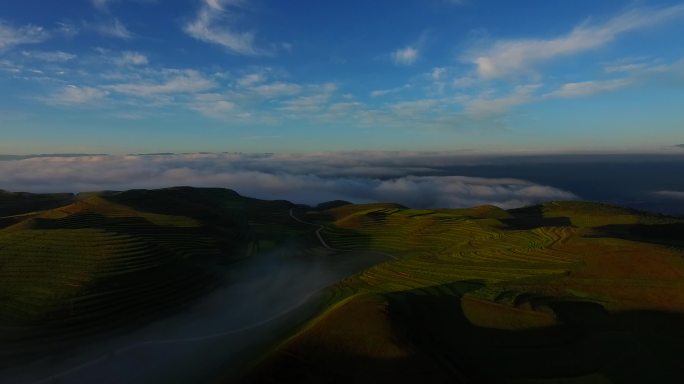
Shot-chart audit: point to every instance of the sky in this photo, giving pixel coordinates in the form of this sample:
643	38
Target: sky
146	76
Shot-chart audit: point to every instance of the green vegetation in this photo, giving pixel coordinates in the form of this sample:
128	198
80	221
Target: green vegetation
106	260
566	292
563	292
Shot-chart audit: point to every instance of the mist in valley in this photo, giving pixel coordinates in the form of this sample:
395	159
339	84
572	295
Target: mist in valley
260	301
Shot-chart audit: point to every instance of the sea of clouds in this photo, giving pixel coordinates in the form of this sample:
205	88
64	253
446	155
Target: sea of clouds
411	179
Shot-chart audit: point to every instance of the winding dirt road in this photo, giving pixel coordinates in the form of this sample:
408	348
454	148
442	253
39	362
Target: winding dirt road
322	240
318	231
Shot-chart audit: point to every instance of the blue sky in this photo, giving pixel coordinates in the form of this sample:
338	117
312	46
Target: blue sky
132	76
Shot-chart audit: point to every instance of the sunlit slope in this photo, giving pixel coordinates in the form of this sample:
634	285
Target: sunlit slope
111	259
557	293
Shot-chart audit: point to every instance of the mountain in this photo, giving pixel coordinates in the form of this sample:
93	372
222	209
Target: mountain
541	294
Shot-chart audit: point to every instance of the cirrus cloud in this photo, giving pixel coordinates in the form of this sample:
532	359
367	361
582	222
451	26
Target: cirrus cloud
71	95
11	36
209	26
514	56
183	81
586	88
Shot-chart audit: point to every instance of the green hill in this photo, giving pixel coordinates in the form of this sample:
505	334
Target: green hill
565	292
108	260
562	292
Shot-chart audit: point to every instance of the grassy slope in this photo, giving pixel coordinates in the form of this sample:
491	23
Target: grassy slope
558	293
111	259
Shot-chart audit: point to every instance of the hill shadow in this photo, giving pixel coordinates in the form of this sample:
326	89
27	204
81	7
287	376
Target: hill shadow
217	206
15	203
533	217
443	346
627	347
671	234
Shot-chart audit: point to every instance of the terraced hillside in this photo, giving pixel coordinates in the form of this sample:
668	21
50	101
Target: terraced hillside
557	293
564	292
103	261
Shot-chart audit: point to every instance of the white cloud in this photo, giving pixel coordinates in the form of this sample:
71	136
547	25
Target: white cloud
303	104
102	5
51	56
670	194
314	102
413	107
309	178
210	25
214	105
132	58
385	92
214	4
9	66
187	81
28	34
382	92
438	73
277	89
344	107
586	88
510	57
460	191
485	106
405	56
639	67
625	66
74	95
251	79
113	28
464	82
67	29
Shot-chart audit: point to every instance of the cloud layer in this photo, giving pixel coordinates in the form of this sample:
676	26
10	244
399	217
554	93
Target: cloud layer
311	179
670	194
